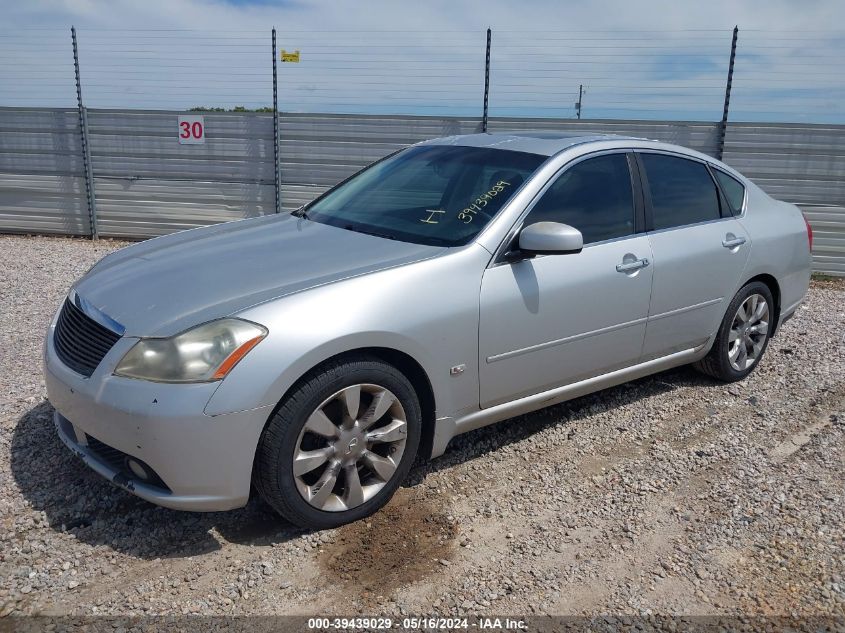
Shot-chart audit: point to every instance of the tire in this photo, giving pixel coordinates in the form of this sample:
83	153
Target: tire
361	462
719	363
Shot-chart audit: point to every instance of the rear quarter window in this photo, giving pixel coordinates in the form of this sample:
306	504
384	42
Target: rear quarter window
733	189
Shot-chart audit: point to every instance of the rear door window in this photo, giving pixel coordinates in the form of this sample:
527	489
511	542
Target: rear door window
682	191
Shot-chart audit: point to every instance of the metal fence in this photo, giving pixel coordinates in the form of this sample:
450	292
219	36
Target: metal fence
145	183
42	180
99	154
802	164
598	74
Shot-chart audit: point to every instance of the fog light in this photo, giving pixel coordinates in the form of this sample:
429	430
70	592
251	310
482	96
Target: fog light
138	469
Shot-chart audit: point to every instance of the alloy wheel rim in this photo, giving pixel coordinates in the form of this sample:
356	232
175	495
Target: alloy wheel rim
350	447
749	329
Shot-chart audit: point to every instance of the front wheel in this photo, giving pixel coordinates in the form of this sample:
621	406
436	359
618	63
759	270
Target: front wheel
743	335
340	444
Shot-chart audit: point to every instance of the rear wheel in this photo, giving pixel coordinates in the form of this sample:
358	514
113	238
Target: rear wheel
340	444
743	335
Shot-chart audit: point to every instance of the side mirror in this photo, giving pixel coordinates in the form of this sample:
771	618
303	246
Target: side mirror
551	238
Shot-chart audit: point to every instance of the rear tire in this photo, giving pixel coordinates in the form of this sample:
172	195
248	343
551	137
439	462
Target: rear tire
340	443
743	335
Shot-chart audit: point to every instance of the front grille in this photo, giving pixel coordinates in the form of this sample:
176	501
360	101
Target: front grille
117	460
80	341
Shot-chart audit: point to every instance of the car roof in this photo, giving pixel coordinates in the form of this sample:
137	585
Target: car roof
544	143
550	143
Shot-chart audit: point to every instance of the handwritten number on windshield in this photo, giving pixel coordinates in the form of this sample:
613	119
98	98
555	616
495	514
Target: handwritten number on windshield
466	215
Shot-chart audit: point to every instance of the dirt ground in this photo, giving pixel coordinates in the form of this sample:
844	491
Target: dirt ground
673	495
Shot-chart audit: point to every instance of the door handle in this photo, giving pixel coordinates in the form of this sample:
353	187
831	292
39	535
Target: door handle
628	267
733	242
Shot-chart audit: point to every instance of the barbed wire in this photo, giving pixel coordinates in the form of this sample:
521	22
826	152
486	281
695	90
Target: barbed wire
667	74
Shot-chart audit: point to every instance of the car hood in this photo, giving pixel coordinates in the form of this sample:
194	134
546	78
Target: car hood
166	285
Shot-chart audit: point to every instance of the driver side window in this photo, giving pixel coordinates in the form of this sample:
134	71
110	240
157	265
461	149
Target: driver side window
594	196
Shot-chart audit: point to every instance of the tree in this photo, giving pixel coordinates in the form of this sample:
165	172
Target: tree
235	109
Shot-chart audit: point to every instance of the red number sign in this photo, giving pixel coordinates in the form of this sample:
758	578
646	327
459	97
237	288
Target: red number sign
191	130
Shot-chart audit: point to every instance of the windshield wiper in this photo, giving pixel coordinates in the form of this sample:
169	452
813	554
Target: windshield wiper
301	212
358	229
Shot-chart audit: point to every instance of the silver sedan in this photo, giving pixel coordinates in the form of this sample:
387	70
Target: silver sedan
453	284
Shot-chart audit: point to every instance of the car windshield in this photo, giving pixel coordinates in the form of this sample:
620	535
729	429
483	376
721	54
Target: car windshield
440	195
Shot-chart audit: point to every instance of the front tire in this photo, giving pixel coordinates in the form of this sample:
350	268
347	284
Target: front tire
340	443
743	335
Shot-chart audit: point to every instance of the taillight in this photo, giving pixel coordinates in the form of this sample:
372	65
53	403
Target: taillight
809	232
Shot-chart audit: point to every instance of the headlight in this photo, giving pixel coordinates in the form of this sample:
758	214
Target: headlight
202	354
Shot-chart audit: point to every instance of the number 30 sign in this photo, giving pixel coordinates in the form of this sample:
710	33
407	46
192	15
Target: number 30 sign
191	130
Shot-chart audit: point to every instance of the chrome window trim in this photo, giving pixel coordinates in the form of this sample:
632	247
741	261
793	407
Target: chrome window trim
688	226
656	150
710	162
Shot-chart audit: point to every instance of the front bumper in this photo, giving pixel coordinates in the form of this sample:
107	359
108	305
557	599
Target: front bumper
202	462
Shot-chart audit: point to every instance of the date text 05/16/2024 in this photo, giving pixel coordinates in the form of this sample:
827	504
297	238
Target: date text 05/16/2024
417	623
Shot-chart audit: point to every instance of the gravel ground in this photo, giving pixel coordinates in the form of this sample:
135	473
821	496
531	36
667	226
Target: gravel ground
673	494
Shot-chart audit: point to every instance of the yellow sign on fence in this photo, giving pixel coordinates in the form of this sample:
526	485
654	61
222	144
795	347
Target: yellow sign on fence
290	57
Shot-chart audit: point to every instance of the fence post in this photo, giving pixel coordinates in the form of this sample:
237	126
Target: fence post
486	80
86	153
276	179
580	100
723	127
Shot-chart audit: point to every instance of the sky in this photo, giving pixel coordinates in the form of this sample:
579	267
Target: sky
631	60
